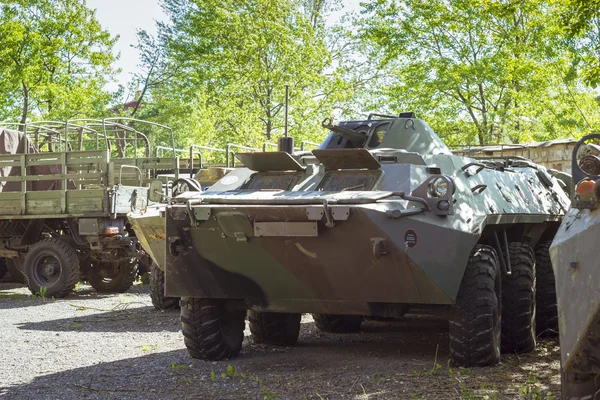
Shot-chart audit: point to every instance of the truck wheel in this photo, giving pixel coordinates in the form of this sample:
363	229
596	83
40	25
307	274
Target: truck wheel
278	329
338	323
546	319
518	301
210	331
54	265
157	290
3	267
16	270
113	277
475	322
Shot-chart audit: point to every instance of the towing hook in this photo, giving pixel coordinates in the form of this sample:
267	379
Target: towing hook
330	223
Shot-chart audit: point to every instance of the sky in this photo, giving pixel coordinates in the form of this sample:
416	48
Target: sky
125	17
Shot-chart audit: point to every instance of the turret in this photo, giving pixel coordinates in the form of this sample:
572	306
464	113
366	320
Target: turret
380	131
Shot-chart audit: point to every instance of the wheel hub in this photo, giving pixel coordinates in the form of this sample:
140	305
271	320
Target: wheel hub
51	269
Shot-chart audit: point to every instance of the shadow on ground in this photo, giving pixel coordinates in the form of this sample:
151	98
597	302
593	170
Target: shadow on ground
16	295
387	360
126	317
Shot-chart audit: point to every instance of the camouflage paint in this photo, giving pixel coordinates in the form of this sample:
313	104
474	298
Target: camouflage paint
359	263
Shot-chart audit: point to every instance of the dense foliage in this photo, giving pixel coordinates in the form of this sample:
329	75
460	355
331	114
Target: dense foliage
56	60
487	71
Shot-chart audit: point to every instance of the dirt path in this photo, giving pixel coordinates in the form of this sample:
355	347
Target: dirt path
94	346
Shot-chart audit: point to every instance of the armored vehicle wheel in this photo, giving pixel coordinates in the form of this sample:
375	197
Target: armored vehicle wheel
546	318
54	265
278	329
3	267
475	323
16	270
518	301
113	277
210	331
157	290
338	323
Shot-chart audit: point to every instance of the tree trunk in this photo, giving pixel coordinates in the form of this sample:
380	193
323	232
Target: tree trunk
25	110
269	128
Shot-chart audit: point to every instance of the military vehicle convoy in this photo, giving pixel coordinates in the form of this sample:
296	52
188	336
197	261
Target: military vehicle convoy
381	218
577	271
66	189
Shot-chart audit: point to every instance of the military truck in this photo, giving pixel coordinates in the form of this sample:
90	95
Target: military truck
382	218
577	272
65	191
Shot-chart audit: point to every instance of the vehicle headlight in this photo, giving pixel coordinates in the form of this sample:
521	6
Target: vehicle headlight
438	188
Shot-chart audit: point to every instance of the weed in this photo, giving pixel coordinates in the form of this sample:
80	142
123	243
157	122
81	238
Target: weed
532	391
42	293
365	395
437	368
213	377
268	394
77	326
178	367
150	347
231	372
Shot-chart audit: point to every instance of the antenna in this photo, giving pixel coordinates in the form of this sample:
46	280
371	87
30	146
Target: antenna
286	143
287	97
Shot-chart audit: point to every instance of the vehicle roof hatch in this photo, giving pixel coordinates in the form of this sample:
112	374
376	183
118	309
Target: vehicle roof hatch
270	161
347	159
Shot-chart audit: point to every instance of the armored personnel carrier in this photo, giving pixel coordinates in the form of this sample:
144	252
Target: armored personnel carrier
381	218
577	271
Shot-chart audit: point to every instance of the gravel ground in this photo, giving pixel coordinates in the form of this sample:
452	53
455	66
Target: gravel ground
93	346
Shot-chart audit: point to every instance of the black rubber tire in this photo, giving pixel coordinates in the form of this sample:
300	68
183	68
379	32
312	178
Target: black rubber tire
157	290
518	301
65	278
475	321
546	318
338	323
3	267
210	331
278	329
16	270
119	282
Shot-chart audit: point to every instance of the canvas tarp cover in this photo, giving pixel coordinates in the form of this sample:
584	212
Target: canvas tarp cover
14	142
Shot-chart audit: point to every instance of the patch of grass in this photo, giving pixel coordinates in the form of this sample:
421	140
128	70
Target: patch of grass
178	367
532	390
77	326
13	296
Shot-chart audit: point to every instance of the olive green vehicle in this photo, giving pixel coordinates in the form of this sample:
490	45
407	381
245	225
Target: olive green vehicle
577	271
65	191
380	220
